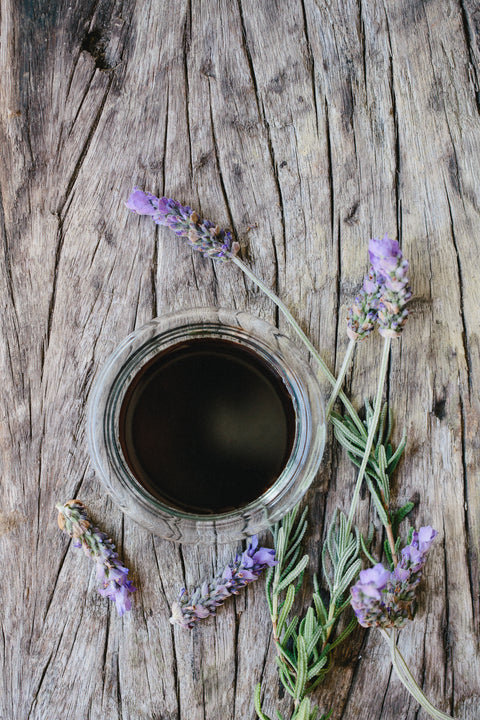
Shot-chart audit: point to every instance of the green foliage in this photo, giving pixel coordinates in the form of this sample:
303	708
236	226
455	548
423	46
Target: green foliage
303	646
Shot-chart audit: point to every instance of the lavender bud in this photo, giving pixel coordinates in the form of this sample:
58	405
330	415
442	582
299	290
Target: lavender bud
204	600
202	235
111	572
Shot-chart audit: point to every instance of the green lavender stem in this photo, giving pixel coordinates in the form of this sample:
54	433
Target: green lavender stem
371	432
341	377
407	679
288	315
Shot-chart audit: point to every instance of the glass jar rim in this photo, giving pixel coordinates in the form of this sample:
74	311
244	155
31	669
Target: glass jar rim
127	360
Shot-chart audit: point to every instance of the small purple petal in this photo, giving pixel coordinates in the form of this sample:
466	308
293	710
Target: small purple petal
384	254
227	573
122	600
425	537
200	612
377	576
253	544
265	556
246	575
142	203
401	574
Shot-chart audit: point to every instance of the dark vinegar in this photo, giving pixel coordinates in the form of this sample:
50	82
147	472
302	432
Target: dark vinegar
207	426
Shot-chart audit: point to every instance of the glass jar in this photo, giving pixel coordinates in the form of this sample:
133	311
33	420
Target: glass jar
277	353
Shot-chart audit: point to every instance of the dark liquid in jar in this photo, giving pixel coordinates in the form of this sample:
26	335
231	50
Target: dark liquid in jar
207	426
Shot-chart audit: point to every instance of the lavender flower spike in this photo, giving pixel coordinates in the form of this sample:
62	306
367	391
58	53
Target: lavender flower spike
384	599
202	235
111	572
204	600
390	269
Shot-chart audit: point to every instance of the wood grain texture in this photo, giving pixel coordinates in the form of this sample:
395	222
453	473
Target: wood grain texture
305	126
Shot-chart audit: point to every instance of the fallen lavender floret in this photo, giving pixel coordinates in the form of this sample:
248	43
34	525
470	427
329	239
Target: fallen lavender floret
390	270
202	235
204	600
384	599
111	572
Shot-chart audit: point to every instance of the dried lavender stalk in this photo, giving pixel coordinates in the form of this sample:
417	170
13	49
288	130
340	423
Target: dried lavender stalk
111	572
204	600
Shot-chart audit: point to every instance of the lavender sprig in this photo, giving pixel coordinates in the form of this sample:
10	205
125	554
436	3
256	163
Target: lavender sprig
202	235
205	600
381	301
111	572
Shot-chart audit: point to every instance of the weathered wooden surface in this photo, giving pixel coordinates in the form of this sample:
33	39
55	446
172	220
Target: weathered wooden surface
320	123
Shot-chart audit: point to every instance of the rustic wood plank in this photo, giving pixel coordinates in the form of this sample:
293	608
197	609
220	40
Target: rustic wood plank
306	127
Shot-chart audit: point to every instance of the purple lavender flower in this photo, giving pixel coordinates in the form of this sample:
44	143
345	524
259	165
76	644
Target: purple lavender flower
111	572
384	294
204	600
202	235
390	269
384	599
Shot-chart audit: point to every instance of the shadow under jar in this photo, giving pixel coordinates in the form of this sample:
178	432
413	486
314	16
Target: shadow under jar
206	425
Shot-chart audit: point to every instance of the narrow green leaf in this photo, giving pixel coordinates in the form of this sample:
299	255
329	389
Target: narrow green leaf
300	523
301	667
286	607
303	711
293	574
292	563
352	435
296	541
366	552
258	703
290	631
348	445
395	459
285	682
349	575
309	627
316	669
287	655
327	716
388	553
268	588
319	607
325	567
318	634
402	513
280	547
345	633
381	425
377	502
